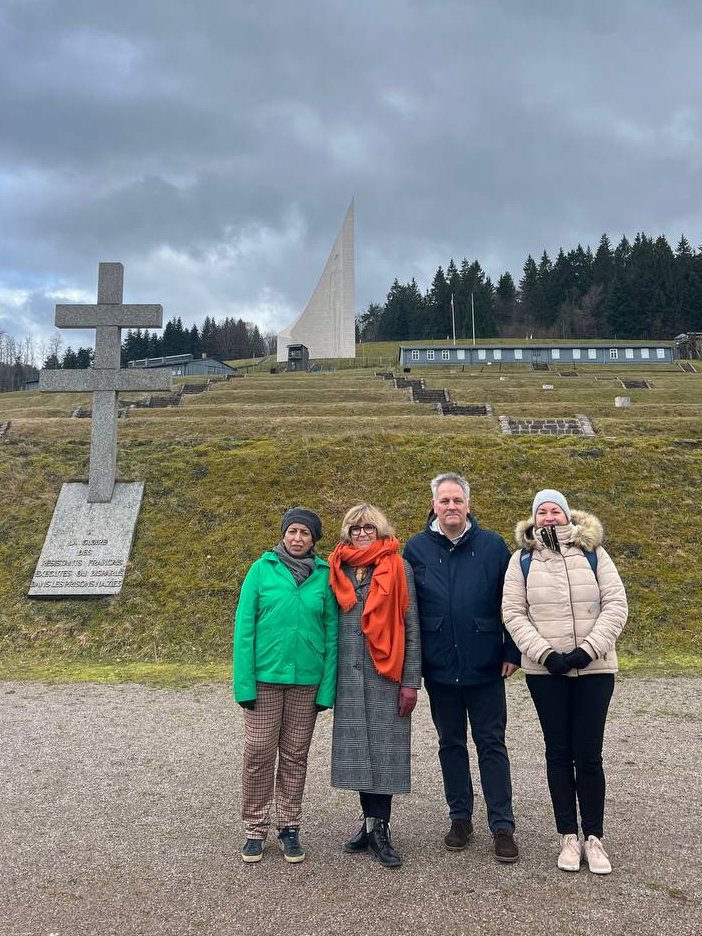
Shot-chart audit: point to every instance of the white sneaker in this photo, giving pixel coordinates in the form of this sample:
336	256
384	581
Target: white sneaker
596	856
571	853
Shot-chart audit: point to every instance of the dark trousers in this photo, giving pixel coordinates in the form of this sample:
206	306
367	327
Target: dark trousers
572	711
376	805
485	705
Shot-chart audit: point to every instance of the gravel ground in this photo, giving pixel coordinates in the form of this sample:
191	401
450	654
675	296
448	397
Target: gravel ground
119	814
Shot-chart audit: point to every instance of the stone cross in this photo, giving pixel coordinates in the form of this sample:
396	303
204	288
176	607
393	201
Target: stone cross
105	379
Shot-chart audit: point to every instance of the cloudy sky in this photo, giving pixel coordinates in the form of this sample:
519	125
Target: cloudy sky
213	147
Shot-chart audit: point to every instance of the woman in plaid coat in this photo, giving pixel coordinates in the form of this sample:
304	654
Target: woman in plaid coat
379	672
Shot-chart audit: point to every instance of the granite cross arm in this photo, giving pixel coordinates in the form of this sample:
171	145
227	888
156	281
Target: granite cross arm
105	379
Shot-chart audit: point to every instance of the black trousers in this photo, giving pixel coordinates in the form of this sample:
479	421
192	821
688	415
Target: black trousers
485	707
376	805
572	711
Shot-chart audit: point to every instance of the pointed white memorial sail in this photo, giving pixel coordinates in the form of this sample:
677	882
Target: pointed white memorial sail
326	326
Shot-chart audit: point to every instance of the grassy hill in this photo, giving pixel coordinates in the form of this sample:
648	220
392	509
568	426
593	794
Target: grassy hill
220	470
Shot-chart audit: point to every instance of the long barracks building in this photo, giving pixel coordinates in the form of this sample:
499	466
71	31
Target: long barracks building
535	353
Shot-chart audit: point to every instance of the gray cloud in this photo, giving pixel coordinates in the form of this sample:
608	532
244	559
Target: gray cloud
213	148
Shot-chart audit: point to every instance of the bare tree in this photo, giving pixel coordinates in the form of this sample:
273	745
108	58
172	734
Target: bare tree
54	343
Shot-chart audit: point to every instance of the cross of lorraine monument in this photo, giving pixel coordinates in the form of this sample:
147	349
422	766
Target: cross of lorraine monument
90	536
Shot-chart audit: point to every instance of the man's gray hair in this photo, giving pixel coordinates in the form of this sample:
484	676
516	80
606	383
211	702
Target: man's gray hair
454	479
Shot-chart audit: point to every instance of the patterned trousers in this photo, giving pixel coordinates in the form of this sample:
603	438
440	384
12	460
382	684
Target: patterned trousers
282	724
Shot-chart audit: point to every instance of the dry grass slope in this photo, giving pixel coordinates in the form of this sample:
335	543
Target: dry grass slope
221	468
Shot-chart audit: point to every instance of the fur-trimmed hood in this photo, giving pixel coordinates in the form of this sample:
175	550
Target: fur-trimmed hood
584	530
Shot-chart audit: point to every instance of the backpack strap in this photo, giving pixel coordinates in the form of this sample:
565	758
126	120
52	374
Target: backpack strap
525	561
591	557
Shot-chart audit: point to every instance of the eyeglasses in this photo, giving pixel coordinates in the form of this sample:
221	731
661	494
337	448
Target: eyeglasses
367	528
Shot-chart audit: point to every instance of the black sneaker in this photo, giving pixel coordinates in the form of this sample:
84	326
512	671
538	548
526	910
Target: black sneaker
458	836
252	850
289	841
505	847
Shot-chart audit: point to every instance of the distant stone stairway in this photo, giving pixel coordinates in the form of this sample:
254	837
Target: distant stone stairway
195	387
424	395
401	383
464	409
635	384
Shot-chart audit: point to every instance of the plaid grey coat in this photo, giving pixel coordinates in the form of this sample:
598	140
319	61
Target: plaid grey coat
370	742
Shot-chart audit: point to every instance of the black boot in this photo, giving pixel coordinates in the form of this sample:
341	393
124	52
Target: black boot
379	844
359	842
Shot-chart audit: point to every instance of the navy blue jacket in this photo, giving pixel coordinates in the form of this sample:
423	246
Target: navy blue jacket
459	594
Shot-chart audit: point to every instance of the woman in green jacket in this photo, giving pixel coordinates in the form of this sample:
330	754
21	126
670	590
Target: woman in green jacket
285	648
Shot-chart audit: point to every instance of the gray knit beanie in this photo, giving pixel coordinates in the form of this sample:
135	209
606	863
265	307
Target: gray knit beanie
306	517
550	496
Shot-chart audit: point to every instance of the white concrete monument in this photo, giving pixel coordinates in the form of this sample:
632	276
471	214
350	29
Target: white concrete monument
90	536
327	324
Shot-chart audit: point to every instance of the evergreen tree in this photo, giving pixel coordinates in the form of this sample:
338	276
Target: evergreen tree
194	344
688	297
603	264
173	340
439	322
618	306
547	310
505	305
368	322
84	358
530	296
663	321
207	336
403	312
69	360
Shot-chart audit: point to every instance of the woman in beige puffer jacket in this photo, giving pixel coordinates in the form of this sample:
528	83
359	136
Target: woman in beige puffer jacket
565	618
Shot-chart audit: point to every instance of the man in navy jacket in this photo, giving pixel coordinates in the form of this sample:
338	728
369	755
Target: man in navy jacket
459	569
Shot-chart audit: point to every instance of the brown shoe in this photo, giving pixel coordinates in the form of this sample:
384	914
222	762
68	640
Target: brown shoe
458	836
505	847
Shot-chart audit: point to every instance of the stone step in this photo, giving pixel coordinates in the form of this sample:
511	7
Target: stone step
401	383
464	409
429	396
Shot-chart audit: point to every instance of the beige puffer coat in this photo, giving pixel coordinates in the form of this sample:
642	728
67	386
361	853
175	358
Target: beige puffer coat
563	604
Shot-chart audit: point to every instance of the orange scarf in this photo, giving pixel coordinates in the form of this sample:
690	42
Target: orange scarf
383	617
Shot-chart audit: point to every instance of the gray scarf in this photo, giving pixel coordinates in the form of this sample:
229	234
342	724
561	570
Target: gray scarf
300	569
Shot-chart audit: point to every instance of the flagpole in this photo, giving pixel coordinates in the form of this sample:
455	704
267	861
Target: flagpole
472	315
453	319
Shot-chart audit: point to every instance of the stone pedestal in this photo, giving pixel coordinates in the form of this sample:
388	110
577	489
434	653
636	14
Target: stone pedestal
622	401
87	547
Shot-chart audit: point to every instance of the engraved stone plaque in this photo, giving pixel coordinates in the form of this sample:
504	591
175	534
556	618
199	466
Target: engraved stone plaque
88	543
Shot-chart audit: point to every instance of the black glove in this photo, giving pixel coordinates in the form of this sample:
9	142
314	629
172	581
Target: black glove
321	708
556	663
578	658
250	704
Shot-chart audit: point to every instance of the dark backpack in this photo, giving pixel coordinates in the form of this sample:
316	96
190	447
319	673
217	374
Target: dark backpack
525	561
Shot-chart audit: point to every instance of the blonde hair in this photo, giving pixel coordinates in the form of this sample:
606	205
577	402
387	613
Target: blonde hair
365	513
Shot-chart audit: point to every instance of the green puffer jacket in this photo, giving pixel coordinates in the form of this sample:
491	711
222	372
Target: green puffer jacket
285	633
